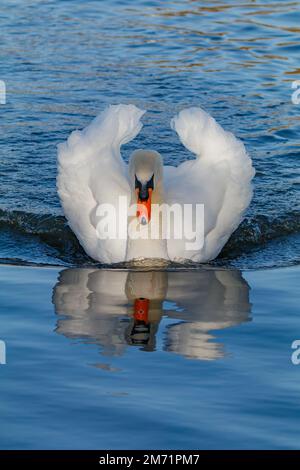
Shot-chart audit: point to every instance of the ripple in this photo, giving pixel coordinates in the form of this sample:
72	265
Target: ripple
236	59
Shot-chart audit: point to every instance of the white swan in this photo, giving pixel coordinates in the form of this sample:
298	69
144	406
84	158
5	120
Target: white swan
91	172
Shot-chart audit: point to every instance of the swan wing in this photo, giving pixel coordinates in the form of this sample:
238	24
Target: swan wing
219	178
91	172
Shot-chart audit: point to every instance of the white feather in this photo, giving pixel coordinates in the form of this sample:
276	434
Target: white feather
91	172
220	178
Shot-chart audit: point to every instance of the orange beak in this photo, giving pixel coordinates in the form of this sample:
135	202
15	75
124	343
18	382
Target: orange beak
143	212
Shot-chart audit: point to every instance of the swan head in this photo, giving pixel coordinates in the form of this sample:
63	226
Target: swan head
145	170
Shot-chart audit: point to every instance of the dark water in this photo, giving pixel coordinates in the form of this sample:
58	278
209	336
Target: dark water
209	366
63	62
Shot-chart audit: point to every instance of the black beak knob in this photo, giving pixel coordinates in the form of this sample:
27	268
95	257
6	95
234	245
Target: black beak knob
144	188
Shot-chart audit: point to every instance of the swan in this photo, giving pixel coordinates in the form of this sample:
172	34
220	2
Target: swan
92	175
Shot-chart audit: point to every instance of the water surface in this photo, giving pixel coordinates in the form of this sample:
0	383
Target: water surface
63	62
189	357
208	367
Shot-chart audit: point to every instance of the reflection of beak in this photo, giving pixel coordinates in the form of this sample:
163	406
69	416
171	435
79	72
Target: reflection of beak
141	309
143	212
140	333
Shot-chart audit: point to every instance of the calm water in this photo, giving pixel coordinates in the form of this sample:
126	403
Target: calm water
63	62
101	358
210	368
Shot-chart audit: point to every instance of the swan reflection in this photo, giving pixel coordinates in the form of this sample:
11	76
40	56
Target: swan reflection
115	309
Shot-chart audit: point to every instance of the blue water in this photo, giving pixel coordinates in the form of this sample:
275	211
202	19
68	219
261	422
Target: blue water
208	363
216	372
63	62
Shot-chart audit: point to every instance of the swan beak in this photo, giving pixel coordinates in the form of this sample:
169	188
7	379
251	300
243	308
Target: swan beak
143	212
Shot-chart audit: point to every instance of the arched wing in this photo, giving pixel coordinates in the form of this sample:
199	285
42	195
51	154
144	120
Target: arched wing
91	172
219	178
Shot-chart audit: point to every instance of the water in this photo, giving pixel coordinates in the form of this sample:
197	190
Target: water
212	370
189	357
63	62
